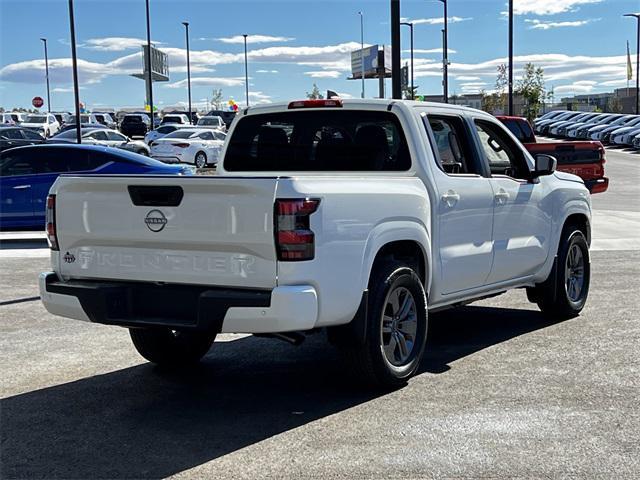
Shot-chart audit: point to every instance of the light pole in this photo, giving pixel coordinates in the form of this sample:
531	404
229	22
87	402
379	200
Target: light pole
413	91
445	60
186	26
46	66
74	57
637	16
149	73
362	51
246	71
396	85
510	57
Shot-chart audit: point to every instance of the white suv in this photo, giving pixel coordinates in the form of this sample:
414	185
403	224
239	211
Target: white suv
44	123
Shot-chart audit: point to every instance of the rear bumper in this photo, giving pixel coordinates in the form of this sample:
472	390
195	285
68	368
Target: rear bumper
181	307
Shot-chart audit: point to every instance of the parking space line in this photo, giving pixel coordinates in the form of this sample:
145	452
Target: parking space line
19	300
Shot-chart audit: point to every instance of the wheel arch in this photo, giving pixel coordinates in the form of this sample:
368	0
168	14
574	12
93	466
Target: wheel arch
404	240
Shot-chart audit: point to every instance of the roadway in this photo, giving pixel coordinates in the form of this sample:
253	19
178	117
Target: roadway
502	393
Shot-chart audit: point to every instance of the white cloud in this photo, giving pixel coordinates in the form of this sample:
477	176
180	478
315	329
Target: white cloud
324	74
257	98
435	20
115	44
548	7
33	71
253	39
573	88
466	78
540	25
330	57
64	89
429	50
267	71
208	82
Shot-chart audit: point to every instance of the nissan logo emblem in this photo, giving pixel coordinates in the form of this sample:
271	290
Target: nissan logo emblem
155	220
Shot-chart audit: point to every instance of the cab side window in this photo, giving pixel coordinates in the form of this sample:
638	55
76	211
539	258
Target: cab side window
501	152
451	146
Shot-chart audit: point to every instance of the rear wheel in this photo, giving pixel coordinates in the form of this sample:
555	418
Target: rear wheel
201	160
396	330
564	294
171	348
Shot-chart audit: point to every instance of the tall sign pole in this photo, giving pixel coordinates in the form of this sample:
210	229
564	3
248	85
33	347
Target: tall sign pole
445	56
74	57
396	83
149	72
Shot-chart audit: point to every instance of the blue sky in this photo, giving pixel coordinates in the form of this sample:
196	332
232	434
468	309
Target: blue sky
580	43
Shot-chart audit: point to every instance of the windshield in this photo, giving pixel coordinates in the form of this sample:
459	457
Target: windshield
210	121
35	119
172	119
83	119
132	119
181	134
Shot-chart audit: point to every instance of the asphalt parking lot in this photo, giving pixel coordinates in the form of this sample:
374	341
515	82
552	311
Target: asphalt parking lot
502	393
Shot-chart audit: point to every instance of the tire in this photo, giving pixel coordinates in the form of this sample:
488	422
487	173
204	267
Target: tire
200	160
170	348
380	361
564	293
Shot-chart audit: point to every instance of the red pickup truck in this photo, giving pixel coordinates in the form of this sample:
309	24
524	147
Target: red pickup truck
585	159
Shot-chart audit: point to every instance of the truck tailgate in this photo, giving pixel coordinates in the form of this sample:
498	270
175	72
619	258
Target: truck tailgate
194	230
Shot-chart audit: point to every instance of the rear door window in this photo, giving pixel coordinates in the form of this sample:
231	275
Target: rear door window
451	144
332	140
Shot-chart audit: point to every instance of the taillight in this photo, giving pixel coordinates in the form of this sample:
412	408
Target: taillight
181	145
315	103
52	237
294	239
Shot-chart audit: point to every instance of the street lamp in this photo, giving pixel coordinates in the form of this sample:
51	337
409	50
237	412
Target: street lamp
246	71
445	60
362	51
46	66
410	25
637	16
186	26
74	58
396	84
149	73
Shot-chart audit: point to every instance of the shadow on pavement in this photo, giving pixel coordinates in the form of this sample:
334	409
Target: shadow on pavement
141	422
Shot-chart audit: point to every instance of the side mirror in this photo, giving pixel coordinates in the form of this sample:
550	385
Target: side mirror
545	165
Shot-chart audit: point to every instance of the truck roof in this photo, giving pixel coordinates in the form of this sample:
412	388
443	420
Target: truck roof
355	104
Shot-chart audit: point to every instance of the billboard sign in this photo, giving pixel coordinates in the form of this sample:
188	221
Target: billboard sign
370	57
159	65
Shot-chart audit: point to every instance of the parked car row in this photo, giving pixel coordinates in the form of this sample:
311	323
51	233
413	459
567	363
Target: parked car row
607	128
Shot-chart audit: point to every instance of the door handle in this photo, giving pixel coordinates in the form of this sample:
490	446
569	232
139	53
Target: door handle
450	198
21	187
501	197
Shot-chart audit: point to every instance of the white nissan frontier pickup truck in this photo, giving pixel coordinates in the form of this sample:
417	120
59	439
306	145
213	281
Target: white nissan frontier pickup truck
354	216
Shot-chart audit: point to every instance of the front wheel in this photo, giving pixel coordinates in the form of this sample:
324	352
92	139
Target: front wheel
396	330
171	348
201	160
564	294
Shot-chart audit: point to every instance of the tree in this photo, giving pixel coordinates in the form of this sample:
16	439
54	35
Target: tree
502	82
216	99
531	88
315	93
615	105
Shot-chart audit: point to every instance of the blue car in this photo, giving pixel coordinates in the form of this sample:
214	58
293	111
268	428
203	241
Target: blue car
27	173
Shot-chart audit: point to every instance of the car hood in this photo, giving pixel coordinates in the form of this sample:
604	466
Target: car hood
568	177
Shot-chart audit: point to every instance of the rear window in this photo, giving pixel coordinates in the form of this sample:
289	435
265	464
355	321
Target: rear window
318	141
520	129
132	119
